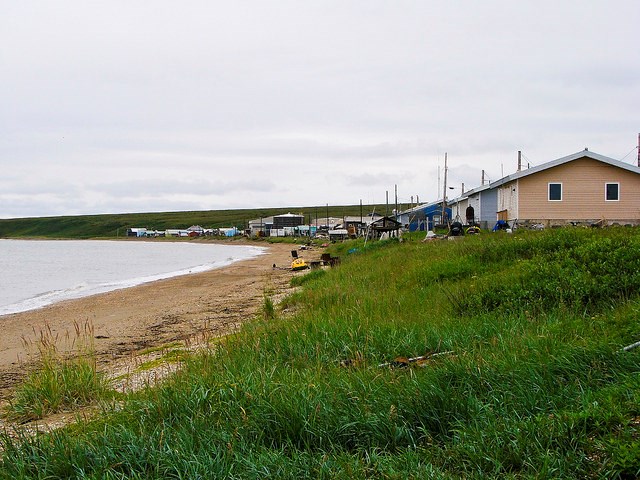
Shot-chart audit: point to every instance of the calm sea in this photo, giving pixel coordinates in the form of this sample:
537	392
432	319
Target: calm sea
35	273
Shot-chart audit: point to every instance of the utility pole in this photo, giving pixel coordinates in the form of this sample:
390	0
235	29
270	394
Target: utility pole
396	191
386	205
444	194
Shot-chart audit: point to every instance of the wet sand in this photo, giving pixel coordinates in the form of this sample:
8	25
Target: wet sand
127	321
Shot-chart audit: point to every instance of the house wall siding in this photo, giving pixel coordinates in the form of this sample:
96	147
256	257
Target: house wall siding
474	201
508	200
583	193
488	206
458	210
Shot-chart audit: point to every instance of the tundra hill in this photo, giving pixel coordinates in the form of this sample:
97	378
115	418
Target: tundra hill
113	225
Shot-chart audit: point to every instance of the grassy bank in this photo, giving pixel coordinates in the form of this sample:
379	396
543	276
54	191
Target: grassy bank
493	356
96	226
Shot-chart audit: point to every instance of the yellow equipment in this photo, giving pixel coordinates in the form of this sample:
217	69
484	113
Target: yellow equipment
298	264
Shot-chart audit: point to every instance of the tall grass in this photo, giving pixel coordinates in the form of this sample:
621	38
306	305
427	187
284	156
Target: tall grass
66	375
530	387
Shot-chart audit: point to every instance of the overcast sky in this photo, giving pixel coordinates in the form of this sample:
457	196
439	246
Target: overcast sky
136	106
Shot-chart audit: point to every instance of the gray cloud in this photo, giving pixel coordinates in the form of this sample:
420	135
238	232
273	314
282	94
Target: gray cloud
130	107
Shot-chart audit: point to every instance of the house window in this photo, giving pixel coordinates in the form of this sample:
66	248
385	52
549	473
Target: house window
612	192
555	192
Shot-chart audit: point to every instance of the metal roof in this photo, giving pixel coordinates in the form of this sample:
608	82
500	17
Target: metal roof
561	161
545	166
530	171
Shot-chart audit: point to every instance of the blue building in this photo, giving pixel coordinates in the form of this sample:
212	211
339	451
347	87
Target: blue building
423	217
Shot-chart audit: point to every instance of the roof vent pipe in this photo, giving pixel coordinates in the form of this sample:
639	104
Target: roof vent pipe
519	160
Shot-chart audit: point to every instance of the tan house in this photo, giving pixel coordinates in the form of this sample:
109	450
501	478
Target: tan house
583	188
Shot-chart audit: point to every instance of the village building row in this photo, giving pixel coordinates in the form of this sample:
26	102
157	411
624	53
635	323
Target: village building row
333	228
584	188
193	231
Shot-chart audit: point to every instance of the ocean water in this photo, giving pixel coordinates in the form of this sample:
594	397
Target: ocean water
36	273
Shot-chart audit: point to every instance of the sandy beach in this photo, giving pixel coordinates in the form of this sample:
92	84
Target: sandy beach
125	322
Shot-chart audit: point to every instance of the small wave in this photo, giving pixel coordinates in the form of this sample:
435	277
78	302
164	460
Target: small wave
85	289
46	298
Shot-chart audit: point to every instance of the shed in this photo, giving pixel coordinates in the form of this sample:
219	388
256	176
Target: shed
425	216
384	225
287	220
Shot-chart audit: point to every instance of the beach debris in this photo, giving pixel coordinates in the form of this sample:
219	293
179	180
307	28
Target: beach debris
327	259
631	347
352	362
431	235
421	361
348	362
501	225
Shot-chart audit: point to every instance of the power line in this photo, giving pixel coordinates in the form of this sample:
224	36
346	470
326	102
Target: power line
529	162
630	152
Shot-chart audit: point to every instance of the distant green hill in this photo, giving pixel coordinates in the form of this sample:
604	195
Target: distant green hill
113	225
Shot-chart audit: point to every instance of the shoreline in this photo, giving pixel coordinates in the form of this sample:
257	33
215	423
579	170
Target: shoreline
45	299
126	321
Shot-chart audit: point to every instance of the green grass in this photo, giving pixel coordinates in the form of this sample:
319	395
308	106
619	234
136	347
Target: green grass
57	387
533	384
60	381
